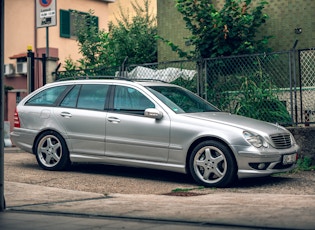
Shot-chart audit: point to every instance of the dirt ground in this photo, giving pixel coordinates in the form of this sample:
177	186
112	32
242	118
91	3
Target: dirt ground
105	179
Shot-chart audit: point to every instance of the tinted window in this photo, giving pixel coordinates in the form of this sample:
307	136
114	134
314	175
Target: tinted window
47	96
130	100
181	100
92	97
71	98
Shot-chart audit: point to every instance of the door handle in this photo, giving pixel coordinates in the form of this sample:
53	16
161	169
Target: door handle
66	114
113	120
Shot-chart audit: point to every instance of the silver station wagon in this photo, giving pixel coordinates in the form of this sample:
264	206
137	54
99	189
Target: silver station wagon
148	124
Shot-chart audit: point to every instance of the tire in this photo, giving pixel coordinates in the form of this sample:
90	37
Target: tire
211	164
51	151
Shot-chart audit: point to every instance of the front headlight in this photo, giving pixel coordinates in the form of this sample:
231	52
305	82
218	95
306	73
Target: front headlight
255	140
293	142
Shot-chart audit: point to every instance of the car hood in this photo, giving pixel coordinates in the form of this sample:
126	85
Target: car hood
237	121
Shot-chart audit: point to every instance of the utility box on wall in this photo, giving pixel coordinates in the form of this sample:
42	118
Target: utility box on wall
8	69
21	67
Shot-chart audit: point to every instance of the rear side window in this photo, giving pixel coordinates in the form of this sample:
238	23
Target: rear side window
92	97
71	98
89	96
47	97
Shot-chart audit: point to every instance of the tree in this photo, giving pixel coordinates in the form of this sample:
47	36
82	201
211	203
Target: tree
94	44
229	31
133	38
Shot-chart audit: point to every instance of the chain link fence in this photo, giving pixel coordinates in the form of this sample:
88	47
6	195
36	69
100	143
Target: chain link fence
306	92
274	87
257	86
181	73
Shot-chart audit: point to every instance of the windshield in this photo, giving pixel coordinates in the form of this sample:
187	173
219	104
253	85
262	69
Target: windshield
181	100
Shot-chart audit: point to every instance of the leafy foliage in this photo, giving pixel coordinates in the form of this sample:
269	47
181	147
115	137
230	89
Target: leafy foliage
133	38
7	88
93	46
229	31
260	102
187	84
252	95
305	163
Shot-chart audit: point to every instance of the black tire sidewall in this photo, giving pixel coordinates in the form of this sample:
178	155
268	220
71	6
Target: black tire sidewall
230	174
64	159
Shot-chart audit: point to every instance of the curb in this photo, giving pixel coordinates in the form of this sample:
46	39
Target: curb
12	150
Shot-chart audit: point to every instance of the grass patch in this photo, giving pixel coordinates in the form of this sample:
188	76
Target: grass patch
190	189
305	164
187	189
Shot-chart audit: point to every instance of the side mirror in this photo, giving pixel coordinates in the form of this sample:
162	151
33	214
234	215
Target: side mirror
153	113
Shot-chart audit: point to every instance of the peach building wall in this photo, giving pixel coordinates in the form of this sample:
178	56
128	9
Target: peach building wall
126	6
21	31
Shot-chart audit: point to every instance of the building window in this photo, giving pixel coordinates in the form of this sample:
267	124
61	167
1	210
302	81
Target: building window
72	20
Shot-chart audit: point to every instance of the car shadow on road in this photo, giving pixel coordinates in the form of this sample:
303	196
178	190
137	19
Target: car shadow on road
263	181
172	177
132	172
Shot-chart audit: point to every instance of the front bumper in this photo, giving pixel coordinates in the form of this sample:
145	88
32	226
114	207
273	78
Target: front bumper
253	162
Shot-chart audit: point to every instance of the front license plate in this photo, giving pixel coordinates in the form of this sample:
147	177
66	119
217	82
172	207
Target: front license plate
289	159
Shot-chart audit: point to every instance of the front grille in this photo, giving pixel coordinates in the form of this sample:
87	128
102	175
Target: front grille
281	140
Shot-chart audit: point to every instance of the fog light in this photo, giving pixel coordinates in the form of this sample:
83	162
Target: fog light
261	166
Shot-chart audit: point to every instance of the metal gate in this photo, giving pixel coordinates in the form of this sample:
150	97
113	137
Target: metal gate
307	85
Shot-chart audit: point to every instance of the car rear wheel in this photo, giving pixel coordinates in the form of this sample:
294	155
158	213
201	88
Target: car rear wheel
211	164
51	151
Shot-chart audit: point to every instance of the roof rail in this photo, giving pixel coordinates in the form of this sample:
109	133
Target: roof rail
109	77
142	79
85	78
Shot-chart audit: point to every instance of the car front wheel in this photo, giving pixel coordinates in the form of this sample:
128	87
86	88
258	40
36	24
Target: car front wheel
51	151
211	164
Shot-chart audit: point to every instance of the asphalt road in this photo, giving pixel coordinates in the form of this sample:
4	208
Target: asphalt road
105	179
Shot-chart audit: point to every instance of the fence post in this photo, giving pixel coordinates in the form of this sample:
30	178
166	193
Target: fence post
43	59
205	80
30	70
294	80
200	82
122	70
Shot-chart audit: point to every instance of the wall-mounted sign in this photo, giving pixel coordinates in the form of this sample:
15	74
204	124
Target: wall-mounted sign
46	13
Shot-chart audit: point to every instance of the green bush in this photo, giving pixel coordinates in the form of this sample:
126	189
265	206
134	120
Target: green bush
253	95
259	101
305	164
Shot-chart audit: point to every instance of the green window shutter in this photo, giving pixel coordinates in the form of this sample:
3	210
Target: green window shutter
95	21
91	20
64	23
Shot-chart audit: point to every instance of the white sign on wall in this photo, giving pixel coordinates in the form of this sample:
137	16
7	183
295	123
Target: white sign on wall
46	13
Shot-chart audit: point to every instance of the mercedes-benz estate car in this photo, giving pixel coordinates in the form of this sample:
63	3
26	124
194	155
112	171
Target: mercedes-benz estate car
148	124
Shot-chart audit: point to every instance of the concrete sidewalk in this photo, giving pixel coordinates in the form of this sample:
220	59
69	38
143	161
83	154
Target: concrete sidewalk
276	211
